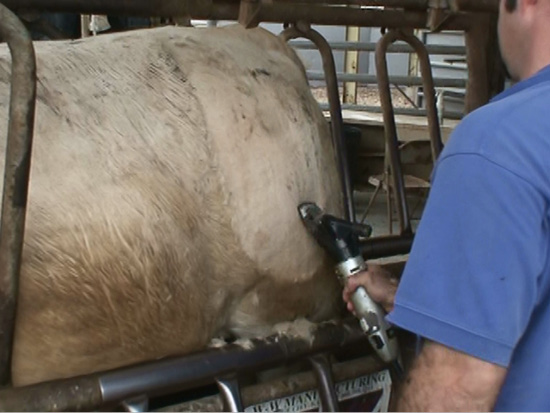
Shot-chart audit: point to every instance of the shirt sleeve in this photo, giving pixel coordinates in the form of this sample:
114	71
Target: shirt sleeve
471	282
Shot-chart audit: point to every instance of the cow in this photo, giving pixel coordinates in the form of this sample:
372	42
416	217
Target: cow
167	168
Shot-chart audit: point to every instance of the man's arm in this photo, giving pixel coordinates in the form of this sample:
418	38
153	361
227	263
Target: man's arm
442	379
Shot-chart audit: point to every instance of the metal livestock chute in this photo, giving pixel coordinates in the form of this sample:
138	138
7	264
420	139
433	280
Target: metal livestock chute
134	387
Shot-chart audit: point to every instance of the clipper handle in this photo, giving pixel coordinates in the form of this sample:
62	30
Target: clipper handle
370	314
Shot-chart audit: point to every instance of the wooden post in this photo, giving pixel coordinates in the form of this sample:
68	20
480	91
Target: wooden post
351	65
485	68
85	25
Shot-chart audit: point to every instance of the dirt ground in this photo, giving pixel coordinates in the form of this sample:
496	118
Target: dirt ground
366	95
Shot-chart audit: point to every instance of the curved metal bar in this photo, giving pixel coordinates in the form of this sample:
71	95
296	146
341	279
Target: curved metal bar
390	129
16	176
230	392
335	107
389	115
325	382
429	91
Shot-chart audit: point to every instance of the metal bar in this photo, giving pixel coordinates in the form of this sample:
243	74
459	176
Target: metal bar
16	176
197	369
77	394
85	25
429	92
175	374
371	47
490	6
397	80
287	386
407	98
325	383
227	10
335	110
231	394
390	128
397	111
381	247
408	4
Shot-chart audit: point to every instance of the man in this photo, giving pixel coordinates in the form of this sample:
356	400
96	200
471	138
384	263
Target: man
477	284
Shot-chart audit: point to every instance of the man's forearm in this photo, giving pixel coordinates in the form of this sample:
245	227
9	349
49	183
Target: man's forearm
442	379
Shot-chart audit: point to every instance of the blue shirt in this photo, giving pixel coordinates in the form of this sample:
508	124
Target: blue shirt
478	277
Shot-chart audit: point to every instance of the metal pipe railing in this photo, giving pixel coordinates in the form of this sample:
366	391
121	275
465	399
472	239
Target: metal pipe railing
278	12
337	123
267	392
161	377
394	80
447	114
16	176
371	47
409	4
429	84
172	8
392	145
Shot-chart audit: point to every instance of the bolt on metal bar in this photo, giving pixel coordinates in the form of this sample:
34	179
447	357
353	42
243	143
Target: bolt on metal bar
16	176
325	382
230	392
337	123
397	80
371	47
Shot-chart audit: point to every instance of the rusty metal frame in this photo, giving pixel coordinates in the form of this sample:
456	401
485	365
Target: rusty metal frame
105	389
407	13
16	176
390	128
336	121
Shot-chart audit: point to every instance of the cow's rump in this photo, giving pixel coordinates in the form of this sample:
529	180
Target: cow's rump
166	172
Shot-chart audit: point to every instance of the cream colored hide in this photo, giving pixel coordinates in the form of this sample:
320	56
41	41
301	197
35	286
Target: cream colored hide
167	169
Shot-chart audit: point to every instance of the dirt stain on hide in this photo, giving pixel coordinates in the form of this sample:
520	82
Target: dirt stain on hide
259	72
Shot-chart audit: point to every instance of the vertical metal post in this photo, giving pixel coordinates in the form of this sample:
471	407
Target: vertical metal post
85	25
390	127
429	91
340	145
16	176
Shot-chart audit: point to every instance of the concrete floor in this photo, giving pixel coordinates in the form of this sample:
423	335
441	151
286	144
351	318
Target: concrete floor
378	217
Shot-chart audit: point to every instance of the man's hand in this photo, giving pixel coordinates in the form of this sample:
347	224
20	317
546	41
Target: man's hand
379	283
442	379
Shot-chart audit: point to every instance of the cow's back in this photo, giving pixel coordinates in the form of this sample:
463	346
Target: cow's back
166	172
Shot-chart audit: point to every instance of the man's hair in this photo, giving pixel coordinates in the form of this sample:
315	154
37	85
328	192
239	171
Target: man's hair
510	5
